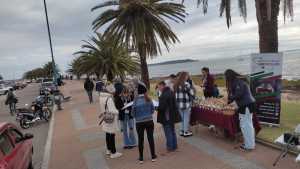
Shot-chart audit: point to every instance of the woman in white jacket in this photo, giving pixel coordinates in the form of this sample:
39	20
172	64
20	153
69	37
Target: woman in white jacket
110	128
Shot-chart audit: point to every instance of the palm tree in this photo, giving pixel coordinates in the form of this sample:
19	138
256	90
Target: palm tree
142	25
267	12
75	68
106	56
48	69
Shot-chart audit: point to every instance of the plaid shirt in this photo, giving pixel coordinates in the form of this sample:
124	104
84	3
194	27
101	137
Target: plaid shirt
184	96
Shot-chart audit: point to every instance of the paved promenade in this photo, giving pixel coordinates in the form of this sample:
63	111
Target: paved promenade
77	142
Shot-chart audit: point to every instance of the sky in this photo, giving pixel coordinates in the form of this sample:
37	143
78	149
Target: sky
24	41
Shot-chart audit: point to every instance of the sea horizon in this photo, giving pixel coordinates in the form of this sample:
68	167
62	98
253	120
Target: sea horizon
241	64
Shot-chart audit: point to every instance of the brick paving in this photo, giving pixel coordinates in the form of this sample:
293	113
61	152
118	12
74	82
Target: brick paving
79	143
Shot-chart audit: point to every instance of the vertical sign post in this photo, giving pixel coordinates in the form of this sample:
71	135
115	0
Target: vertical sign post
266	79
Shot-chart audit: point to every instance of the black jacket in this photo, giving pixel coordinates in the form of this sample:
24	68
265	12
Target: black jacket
119	102
88	85
168	108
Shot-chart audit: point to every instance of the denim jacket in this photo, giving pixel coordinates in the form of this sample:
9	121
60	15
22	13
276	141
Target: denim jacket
142	110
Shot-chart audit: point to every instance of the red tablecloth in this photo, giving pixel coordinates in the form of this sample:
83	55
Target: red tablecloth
214	117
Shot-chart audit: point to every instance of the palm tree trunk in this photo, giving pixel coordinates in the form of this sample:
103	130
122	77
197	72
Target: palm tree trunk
267	26
144	65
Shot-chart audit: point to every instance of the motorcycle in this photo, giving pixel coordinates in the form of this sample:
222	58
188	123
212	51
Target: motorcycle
59	98
47	99
36	113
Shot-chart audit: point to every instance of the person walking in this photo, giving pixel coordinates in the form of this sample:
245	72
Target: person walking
89	87
142	110
239	91
184	97
207	83
11	100
168	115
126	117
109	126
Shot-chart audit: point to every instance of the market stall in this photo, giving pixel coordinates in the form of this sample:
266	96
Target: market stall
216	112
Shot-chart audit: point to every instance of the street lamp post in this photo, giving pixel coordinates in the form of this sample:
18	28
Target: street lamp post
55	74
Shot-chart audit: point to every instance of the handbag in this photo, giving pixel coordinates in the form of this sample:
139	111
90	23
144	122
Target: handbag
107	117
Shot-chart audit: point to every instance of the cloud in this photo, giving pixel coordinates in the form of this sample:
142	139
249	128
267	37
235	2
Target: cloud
24	40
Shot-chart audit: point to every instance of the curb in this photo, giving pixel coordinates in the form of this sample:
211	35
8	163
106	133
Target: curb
47	151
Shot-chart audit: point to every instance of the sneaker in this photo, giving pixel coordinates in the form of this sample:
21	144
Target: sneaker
116	155
243	148
187	134
154	158
108	152
181	133
141	161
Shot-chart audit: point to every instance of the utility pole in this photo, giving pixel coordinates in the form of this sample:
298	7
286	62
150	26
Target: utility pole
55	74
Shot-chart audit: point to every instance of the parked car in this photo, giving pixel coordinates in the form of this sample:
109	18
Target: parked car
47	80
4	89
39	80
50	86
11	84
16	148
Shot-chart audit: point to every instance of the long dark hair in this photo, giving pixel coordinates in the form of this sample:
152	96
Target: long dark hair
231	76
147	97
180	80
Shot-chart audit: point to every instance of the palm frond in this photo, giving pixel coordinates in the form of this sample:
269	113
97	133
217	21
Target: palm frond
106	4
225	6
242	4
288	9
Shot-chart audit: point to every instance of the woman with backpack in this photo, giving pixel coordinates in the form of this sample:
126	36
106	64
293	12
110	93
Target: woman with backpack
184	97
142	110
109	120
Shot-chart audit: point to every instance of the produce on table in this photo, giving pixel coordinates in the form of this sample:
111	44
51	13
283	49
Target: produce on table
219	105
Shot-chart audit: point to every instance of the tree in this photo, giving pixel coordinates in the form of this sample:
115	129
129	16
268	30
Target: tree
106	56
142	25
267	12
1	77
75	68
34	74
41	72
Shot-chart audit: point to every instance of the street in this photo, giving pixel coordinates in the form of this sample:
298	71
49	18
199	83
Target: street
40	131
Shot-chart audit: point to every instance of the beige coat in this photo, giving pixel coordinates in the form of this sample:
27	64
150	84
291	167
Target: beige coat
113	127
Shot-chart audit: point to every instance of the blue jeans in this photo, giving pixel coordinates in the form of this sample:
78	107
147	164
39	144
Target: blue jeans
185	116
128	131
246	125
170	136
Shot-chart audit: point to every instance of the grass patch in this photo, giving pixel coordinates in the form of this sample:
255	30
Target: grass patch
290	118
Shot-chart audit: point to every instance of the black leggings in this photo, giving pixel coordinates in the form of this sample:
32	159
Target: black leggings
110	142
140	128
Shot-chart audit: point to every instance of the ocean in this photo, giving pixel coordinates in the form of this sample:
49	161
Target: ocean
241	64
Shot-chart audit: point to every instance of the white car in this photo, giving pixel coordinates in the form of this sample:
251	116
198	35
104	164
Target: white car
4	89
